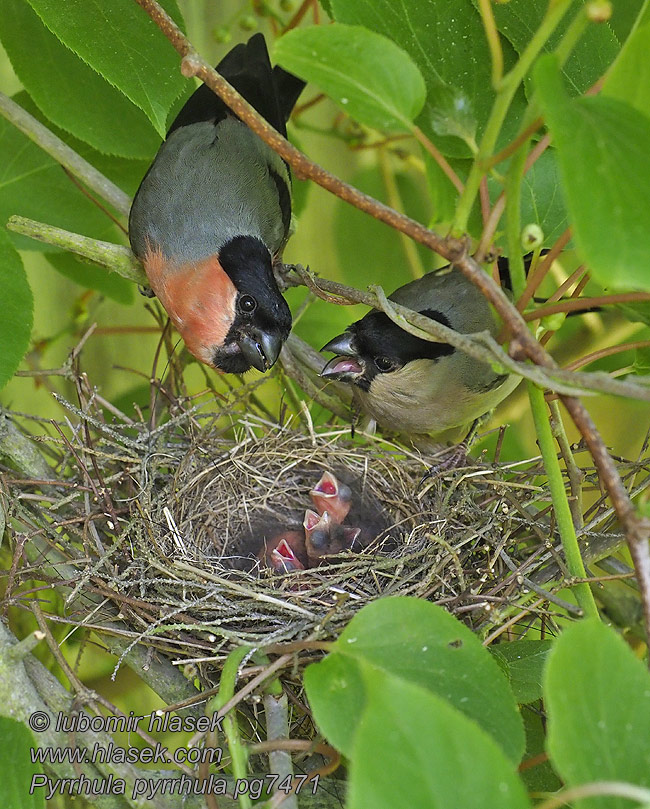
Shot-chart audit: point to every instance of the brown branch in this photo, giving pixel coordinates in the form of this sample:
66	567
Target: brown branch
606	352
564	286
578	304
298	16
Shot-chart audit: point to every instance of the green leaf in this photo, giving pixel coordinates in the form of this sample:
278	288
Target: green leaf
597	695
124	172
121	43
542	201
625	13
32	184
70	93
383	259
421	644
15	743
366	74
414	749
540	776
447	42
17	313
518	20
524	662
92	277
605	172
337	695
629	78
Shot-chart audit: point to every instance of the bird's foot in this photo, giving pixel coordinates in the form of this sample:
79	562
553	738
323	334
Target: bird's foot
450	458
286	274
146	291
454	457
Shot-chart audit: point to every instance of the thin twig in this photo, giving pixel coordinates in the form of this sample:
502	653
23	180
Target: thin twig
578	304
606	352
64	155
535	278
113	257
576	475
512	147
438	156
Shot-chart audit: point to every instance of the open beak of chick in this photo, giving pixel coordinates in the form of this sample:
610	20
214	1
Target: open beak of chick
324	537
331	496
286	552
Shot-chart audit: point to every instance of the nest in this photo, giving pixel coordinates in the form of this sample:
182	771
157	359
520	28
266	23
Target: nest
158	522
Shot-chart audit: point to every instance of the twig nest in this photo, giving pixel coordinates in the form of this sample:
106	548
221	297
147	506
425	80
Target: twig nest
189	571
200	538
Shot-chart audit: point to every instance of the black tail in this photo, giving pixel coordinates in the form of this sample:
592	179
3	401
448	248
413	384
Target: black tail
503	266
272	91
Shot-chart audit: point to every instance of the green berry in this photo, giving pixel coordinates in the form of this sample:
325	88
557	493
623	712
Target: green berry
221	34
248	23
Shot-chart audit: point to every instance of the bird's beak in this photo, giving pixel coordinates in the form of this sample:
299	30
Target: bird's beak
283	559
341	345
317	530
346	366
331	496
261	349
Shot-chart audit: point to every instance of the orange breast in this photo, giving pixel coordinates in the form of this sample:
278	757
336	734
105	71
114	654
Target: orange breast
199	298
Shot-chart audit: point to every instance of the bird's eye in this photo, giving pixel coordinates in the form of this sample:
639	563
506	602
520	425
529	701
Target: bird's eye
385	364
247	304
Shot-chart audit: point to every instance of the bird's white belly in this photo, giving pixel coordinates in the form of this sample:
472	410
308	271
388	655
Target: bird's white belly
418	408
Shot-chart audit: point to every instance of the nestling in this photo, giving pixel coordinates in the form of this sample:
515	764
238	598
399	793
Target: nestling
325	537
284	552
212	216
332	496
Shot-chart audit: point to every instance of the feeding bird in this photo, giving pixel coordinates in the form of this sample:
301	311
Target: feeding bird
414	386
212	216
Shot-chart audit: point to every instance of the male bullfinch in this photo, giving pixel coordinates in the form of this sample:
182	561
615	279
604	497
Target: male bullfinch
212	216
414	386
